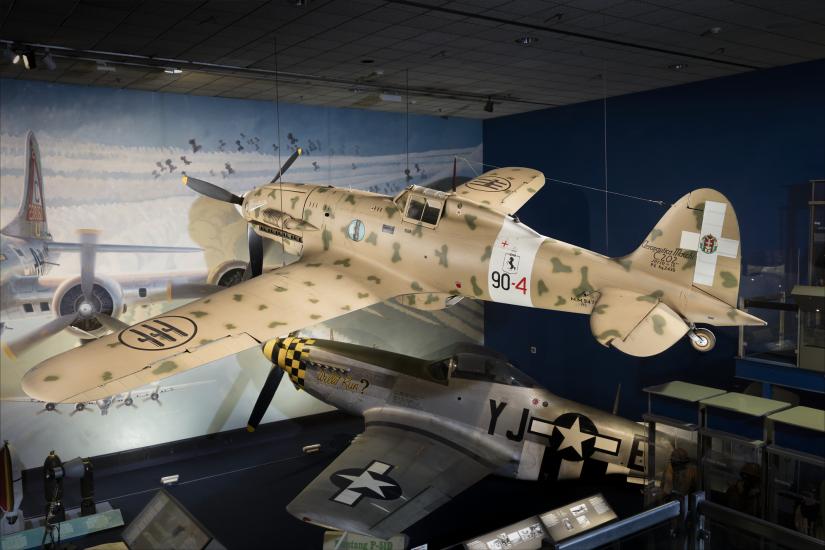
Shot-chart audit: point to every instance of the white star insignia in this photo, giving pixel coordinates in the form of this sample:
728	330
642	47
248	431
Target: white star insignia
573	437
366	481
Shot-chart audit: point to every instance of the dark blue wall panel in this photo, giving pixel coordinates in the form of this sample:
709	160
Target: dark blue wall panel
757	137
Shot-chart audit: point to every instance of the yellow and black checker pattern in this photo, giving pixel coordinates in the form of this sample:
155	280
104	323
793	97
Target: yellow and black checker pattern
292	356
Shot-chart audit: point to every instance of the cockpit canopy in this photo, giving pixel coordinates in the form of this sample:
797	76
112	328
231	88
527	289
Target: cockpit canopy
421	205
483	367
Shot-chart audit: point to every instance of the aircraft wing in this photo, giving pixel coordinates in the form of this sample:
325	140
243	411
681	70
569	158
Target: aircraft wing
126	248
503	189
405	465
227	322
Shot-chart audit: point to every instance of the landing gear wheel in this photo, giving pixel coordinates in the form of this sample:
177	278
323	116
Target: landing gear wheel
702	339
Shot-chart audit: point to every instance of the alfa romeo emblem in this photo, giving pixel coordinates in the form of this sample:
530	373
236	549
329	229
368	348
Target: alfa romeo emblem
708	244
160	333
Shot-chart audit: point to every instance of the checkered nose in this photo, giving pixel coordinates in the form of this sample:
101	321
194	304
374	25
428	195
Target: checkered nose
271	350
289	354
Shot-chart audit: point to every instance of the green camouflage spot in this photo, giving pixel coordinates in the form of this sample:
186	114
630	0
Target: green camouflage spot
431	298
611	333
363	295
542	287
198	314
230	326
559	267
577	251
691	261
307	213
471	221
476	289
728	279
314	316
237	297
442	255
166	366
732	313
372	239
698	213
584	286
113	345
350	199
599	309
653	297
309	283
624	262
273	195
658	324
417	232
345	262
346	308
294	201
51	378
484	201
313	300
339	276
656	233
274	324
396	257
207	300
531	190
262	307
374	279
205	341
416	287
280	289
326	237
390	210
319	264
560	301
488	251
410	299
107	375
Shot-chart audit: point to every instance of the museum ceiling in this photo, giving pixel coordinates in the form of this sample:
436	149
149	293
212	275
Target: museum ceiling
452	58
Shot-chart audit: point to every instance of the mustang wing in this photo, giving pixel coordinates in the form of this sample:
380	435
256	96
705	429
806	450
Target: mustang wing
208	329
405	465
503	189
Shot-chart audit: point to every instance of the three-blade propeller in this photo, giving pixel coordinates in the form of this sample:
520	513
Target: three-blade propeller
254	241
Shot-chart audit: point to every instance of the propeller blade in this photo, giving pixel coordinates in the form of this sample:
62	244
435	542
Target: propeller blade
16	347
115	325
292	158
88	240
265	397
256	253
211	190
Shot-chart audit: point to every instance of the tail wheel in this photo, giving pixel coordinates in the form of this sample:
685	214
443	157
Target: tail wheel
702	339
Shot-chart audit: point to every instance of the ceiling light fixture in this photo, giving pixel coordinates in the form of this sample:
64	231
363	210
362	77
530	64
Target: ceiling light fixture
171	70
395	98
489	106
27	57
105	67
48	60
712	31
526	40
677	66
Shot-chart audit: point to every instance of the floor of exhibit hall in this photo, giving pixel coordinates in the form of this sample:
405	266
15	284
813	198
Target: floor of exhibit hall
238	485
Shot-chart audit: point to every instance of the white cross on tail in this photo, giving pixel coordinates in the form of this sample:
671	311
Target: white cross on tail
709	243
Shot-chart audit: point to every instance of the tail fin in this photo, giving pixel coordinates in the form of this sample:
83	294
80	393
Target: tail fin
696	243
30	220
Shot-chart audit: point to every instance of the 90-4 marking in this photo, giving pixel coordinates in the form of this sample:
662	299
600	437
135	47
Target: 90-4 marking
502	281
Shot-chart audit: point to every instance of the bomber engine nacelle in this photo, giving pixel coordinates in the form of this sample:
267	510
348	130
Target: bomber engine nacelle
106	298
226	274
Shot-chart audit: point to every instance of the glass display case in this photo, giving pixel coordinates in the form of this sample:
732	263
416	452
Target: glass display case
732	471
796	483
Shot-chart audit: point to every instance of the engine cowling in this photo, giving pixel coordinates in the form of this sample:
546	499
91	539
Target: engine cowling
226	274
107	298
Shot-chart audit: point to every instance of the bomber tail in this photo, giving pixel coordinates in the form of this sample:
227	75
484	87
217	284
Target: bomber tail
30	221
696	243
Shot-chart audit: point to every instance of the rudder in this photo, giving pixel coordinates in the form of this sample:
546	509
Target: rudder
30	221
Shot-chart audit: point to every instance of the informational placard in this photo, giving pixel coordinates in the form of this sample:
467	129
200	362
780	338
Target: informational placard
524	535
165	523
338	540
577	517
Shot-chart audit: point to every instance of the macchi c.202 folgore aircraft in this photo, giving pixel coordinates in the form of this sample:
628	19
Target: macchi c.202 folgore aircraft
434	428
428	249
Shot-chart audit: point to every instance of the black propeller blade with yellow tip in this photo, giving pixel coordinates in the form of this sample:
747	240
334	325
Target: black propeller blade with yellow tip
265	397
292	158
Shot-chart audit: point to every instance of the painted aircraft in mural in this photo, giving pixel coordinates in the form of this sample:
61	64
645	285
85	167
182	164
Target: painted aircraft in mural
427	249
88	304
435	428
11	485
130	399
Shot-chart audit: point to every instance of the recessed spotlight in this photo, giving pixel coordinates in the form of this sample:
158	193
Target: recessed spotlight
367	61
105	67
172	70
677	66
395	98
526	40
27	57
489	106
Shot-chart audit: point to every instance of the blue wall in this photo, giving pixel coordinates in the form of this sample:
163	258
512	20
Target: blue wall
757	137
